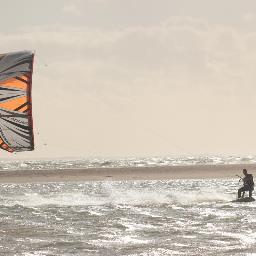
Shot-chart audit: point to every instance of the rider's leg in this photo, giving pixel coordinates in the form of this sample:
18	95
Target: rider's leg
240	190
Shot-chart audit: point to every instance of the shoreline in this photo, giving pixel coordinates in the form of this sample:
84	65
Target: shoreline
126	173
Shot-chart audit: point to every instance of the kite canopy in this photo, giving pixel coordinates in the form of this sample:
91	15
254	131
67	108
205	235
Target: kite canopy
16	126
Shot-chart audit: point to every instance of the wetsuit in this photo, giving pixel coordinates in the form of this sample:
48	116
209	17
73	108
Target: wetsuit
248	185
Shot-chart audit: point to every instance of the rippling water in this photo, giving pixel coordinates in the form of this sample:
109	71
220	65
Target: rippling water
126	162
147	218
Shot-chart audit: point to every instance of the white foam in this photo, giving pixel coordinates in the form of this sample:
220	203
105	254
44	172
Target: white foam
132	226
204	195
119	194
160	252
119	240
245	239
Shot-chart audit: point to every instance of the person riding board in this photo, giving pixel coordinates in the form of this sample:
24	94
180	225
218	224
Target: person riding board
248	184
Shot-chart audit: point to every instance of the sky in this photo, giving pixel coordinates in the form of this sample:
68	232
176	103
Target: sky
124	78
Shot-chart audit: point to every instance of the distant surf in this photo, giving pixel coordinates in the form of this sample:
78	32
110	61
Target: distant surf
122	162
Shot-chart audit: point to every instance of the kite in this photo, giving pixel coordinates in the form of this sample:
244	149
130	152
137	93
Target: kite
16	124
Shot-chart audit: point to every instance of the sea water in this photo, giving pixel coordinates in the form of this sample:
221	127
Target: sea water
174	217
122	162
146	218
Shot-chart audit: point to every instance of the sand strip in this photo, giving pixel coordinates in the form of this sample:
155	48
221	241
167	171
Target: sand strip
138	173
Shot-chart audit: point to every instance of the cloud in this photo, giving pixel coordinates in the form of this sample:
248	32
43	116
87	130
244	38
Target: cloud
182	81
75	7
248	17
72	9
181	52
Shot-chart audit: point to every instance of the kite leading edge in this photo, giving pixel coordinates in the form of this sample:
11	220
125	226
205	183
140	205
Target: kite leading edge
16	124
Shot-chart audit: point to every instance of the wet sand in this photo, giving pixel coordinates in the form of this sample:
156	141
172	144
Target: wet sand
131	173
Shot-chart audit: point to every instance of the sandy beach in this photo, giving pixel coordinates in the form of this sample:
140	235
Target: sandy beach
135	173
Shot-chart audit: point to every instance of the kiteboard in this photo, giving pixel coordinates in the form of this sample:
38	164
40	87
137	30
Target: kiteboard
243	200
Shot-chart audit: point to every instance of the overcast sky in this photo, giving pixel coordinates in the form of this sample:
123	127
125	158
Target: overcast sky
138	77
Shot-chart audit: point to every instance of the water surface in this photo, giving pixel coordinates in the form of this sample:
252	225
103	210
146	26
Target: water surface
147	218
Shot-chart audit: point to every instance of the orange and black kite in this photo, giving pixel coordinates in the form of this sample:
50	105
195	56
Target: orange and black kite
16	125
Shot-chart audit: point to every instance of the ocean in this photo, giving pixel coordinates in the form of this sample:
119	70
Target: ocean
131	218
58	164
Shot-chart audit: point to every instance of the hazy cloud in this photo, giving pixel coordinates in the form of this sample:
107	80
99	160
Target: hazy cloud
178	84
71	9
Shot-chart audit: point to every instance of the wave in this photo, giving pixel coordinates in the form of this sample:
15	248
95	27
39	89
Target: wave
116	193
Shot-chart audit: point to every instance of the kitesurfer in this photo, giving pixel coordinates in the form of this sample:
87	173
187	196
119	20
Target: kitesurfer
248	184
